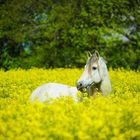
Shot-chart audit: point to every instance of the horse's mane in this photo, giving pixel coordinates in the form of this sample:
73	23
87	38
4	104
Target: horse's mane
103	60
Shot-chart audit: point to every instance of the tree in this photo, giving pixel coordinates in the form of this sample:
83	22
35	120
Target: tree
58	33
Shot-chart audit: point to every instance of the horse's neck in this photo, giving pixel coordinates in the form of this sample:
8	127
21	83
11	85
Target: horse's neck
105	86
93	89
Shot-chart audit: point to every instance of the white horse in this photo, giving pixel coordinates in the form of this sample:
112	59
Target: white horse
95	76
52	91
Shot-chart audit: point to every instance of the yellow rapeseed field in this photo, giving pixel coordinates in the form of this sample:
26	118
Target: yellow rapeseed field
115	117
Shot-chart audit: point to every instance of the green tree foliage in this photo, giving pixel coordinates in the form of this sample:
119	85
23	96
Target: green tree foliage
57	33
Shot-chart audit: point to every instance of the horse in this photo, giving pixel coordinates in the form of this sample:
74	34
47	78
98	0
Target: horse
50	90
95	76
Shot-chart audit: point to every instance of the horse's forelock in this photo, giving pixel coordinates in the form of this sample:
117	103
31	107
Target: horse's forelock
91	60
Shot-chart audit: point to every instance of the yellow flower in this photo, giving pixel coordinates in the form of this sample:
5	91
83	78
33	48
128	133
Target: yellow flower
115	117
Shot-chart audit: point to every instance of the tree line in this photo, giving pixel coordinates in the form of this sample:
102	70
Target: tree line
58	33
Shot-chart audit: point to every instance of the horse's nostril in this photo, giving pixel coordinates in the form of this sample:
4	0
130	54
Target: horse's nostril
80	84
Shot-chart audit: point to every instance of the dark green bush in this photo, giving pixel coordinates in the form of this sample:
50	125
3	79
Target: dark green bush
58	33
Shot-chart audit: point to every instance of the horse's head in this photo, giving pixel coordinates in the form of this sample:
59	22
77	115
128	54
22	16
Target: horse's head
92	72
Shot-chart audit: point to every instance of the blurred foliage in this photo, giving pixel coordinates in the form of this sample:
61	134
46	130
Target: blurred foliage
57	33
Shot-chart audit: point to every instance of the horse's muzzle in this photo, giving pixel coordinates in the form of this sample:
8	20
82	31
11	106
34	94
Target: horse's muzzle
79	86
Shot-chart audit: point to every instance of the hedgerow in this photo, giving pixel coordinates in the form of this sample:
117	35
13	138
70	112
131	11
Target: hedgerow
114	117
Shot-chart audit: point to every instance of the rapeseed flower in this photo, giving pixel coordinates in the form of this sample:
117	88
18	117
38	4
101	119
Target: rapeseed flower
113	117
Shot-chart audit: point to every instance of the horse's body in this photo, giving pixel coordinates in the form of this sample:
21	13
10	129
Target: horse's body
52	91
95	77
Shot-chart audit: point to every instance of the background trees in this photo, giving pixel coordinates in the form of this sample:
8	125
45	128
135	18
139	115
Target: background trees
57	33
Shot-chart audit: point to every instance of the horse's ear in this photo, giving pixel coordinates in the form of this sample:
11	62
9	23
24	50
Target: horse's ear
97	54
89	54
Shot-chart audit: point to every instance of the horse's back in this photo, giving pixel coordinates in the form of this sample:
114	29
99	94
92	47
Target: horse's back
52	90
39	93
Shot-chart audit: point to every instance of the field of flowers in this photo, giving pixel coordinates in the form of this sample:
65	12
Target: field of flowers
115	117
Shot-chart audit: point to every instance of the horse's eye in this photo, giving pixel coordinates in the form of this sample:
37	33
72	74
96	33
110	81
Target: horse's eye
94	68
